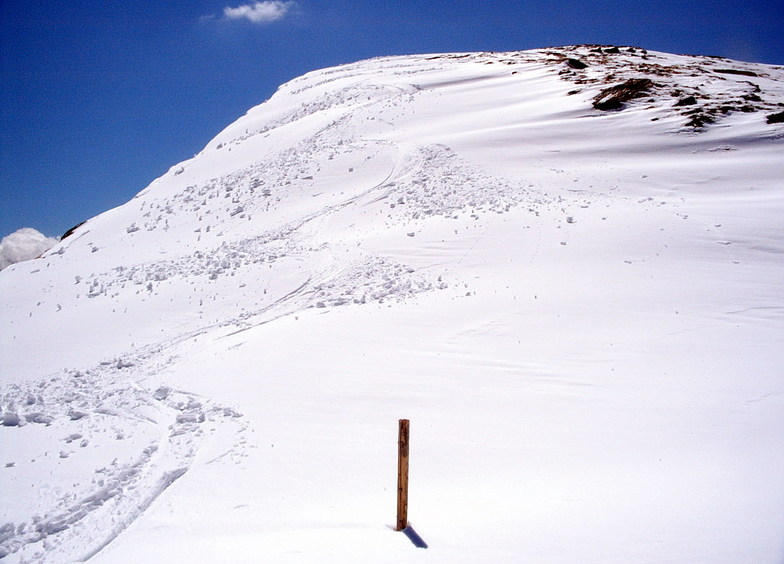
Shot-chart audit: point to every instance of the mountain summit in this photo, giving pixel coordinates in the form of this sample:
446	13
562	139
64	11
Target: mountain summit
564	266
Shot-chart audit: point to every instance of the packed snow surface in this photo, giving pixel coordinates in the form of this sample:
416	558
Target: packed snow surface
564	266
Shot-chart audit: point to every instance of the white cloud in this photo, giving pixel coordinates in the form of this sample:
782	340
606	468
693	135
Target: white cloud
25	244
259	12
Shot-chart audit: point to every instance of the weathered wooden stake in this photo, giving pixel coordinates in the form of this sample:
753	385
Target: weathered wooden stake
402	475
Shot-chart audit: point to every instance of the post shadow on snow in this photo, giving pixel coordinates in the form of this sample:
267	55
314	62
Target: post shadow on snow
414	537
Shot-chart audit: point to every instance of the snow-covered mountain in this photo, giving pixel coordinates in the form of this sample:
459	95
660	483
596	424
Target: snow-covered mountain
564	266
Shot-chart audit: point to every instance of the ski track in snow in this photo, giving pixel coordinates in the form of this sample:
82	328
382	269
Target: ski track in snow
89	411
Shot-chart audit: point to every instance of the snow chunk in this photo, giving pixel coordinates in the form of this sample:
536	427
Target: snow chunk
10	419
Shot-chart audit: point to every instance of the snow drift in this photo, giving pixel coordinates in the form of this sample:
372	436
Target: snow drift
564	266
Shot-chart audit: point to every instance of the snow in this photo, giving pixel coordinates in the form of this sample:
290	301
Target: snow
579	311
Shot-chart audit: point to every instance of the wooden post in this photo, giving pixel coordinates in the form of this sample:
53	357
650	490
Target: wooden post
402	475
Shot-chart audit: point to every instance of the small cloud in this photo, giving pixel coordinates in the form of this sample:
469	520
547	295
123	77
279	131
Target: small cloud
259	12
25	244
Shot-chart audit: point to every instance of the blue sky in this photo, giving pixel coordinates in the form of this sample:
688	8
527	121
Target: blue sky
100	98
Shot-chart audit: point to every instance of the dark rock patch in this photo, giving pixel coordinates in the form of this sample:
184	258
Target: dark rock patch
775	118
687	101
614	97
700	120
735	71
71	230
576	64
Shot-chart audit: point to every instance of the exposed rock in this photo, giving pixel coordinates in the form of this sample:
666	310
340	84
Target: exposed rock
776	118
687	101
699	120
614	97
736	71
71	230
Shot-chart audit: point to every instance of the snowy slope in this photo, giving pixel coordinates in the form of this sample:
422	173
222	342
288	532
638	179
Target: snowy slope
563	265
